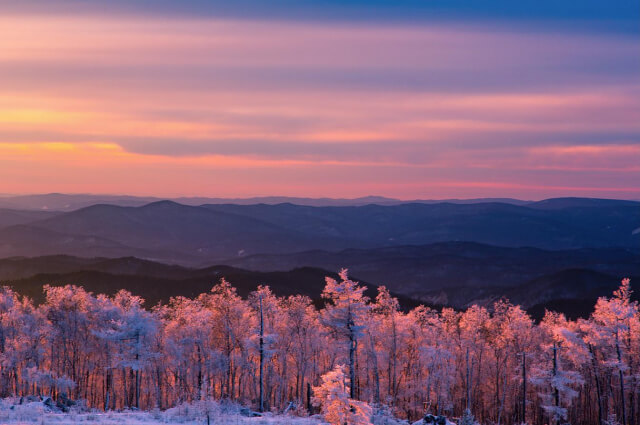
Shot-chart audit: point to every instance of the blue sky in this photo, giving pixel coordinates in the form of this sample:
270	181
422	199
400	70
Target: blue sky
615	16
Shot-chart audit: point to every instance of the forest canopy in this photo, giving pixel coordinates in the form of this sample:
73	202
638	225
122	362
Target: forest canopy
274	353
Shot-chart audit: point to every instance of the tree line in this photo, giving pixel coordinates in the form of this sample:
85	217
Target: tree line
277	353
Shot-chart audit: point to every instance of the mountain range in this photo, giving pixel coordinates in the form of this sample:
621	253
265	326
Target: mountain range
195	235
453	253
70	202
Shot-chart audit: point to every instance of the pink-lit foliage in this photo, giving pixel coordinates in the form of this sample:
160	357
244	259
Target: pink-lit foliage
349	360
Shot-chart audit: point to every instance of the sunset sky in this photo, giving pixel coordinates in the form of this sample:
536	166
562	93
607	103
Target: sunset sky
409	99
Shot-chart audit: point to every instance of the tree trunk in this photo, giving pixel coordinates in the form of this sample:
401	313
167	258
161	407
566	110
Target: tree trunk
158	388
352	369
124	388
524	387
504	396
468	382
376	373
556	393
394	350
107	390
621	375
137	377
598	388
352	356
261	357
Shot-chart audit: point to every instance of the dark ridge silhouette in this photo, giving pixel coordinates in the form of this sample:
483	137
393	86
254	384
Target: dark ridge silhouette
418	268
158	282
575	285
572	284
307	281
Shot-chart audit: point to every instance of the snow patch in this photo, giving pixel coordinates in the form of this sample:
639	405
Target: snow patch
14	413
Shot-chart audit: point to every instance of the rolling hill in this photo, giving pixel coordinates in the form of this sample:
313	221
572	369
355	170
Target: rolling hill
415	269
194	235
535	253
12	217
572	290
158	282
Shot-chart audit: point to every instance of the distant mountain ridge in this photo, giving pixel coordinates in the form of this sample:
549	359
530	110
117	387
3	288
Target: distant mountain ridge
170	232
70	202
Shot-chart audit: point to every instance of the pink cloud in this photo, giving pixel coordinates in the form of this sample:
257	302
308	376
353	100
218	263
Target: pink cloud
90	103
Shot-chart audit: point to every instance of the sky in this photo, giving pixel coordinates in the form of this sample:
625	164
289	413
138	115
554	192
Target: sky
410	99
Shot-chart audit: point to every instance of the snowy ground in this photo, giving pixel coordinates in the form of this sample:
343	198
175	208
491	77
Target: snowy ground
143	418
12	412
36	413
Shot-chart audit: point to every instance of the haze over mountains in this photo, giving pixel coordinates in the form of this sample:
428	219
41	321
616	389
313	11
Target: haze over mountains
452	253
70	202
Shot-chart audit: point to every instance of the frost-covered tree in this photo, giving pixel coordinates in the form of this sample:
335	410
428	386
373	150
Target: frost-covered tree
336	405
73	316
135	331
611	334
518	331
390	330
268	315
233	324
113	352
345	316
301	326
474	324
555	373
